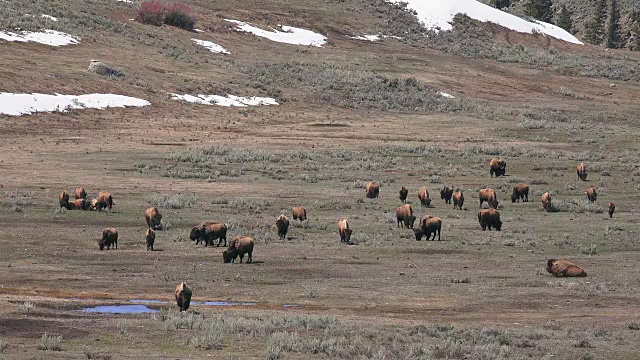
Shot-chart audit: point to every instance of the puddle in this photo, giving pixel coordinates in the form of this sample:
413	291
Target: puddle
119	309
223	303
291	305
143	301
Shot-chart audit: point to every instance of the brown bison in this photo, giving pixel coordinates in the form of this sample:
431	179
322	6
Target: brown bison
344	230
497	167
93	205
546	201
404	215
488	195
109	238
403	194
299	213
208	232
564	268
581	170
104	200
64	200
150	238
153	218
239	246
79	193
183	296
373	189
282	223
428	225
458	200
591	194
489	218
520	192
79	204
446	193
612	209
423	195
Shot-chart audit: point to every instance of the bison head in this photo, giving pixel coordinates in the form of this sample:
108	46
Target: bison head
550	265
197	232
410	220
514	197
498	225
347	235
228	255
419	234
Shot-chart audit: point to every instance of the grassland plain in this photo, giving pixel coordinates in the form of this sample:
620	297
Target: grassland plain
350	112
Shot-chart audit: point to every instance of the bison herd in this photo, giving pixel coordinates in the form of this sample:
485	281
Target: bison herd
104	200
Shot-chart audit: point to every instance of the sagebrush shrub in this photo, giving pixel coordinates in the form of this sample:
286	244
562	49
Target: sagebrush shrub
179	15
151	12
156	12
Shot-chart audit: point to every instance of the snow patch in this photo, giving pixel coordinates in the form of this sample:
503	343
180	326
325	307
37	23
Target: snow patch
198	30
52	18
25	104
366	37
125	1
213	47
438	14
448	96
46	37
288	35
229	100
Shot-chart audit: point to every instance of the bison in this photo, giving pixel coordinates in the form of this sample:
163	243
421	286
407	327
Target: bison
282	223
591	194
344	230
299	213
109	238
428	225
183	296
64	200
564	268
79	204
546	201
497	167
209	231
150	238
581	170
239	246
520	192
488	195
373	189
404	215
489	218
153	218
403	194
446	193
79	193
93	205
104	200
458	200
612	209
423	195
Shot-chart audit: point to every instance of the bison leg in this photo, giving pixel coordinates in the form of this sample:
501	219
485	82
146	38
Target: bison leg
250	258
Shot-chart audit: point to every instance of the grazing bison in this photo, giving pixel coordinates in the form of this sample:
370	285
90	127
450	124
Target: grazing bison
373	189
564	268
79	204
546	201
488	195
403	194
458	200
429	225
591	194
489	218
612	209
497	167
150	238
282	223
104	200
344	230
581	170
209	231
153	218
79	193
64	200
183	296
446	193
423	195
109	238
520	192
404	215
239	246
299	213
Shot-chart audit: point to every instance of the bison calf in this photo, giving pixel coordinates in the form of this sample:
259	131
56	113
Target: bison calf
344	231
150	238
282	223
109	238
564	268
404	215
489	218
239	246
183	296
458	200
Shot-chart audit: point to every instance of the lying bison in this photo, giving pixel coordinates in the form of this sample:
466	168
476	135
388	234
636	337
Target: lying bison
488	195
208	232
458	200
299	213
564	268
344	231
63	199
153	218
403	194
497	167
79	204
109	239
423	196
150	238
239	246
446	193
282	224
520	192
372	190
592	196
404	216
183	296
581	170
489	218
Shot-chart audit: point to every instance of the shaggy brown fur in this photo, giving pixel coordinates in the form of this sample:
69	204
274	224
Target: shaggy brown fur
239	246
344	230
79	193
373	189
520	192
546	201
458	200
581	170
109	238
282	224
150	238
404	215
64	200
209	231
299	213
446	193
497	167
153	218
430	225
591	194
564	268
79	204
488	195
489	218
104	200
183	296
423	196
403	194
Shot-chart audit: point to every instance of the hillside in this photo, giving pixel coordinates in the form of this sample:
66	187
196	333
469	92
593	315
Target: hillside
268	105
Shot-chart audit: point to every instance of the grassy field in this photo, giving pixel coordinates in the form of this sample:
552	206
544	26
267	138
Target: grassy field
350	112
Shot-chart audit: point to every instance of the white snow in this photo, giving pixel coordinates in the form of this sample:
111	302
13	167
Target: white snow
213	47
198	30
229	100
47	37
438	14
366	37
288	35
448	96
125	1
52	18
25	104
